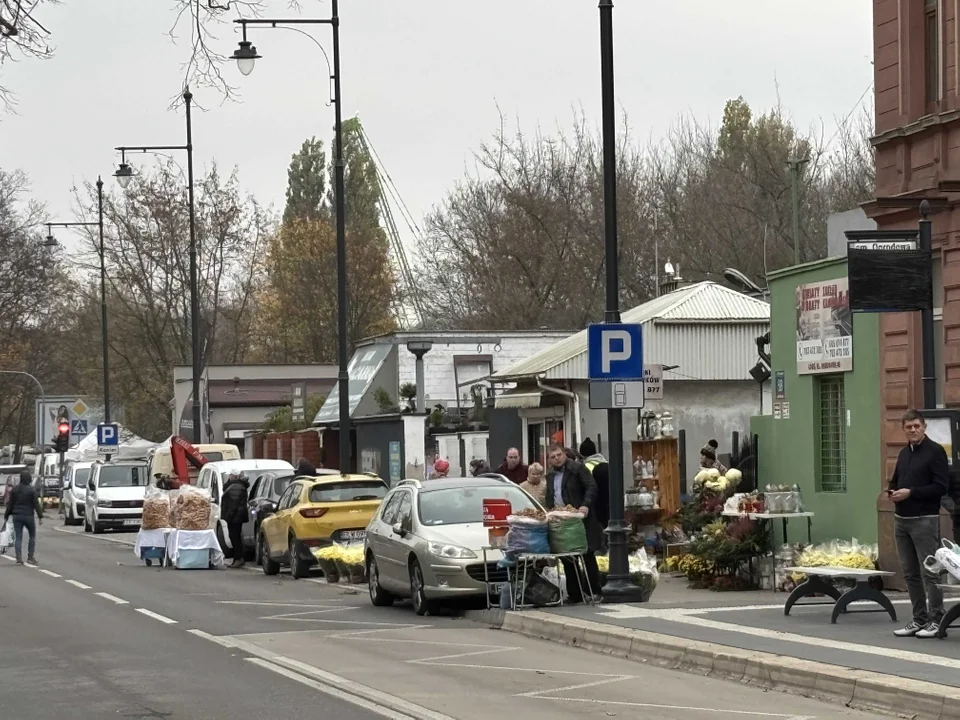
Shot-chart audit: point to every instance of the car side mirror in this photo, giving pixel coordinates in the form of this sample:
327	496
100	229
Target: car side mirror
399	530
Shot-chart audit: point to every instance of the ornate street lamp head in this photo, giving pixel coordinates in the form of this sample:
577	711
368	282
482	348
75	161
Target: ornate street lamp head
246	57
124	174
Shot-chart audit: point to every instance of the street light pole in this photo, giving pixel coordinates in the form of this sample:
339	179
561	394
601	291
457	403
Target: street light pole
794	166
246	57
927	342
103	291
618	587
124	175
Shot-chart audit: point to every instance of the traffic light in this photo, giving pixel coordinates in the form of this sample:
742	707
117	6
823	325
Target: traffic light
61	443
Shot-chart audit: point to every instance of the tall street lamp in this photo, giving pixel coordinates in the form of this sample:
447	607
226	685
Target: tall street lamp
246	56
50	242
619	588
124	175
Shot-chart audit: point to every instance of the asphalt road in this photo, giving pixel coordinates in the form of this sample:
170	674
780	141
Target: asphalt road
94	633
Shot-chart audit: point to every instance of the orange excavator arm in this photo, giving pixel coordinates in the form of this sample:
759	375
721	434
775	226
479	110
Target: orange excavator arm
182	453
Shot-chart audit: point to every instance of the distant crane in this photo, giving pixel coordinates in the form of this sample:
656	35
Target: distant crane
410	300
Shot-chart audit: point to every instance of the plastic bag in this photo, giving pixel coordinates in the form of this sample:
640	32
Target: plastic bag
567	534
552	575
643	571
525	521
539	591
192	509
156	509
6	535
526	538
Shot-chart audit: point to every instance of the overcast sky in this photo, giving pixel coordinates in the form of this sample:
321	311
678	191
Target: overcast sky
425	77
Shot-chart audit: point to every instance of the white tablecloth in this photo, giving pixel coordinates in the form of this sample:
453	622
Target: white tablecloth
178	540
151	538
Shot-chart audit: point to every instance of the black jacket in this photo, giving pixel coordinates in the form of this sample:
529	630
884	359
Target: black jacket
23	501
579	489
234	506
924	470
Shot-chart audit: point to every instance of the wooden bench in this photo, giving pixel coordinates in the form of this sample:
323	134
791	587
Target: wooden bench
815	584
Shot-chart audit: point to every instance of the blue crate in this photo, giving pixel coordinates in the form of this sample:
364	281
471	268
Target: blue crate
193	560
152	553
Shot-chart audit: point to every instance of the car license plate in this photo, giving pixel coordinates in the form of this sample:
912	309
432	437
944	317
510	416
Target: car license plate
353	535
131	522
51	482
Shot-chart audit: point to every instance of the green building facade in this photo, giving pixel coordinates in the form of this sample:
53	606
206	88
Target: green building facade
824	433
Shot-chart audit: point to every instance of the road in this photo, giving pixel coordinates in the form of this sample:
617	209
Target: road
93	633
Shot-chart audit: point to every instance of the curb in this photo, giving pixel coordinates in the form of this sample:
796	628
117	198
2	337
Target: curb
860	689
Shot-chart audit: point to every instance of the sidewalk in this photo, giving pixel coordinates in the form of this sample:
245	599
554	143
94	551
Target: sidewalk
745	636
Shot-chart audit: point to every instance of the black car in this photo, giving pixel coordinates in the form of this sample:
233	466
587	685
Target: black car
265	491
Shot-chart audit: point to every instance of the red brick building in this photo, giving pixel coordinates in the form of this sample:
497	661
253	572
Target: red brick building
917	142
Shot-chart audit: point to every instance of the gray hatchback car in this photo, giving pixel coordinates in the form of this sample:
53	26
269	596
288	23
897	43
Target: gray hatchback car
426	540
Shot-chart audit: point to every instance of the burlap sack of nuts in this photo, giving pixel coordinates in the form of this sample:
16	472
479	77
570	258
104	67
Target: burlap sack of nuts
192	509
156	510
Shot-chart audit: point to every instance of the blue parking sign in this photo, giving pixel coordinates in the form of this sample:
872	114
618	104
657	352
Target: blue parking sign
615	352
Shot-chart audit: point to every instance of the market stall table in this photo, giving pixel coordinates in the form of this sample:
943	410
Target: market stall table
528	560
816	585
152	545
194	549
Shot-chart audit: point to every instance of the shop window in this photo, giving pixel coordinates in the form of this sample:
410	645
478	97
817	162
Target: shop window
539	437
833	434
932	60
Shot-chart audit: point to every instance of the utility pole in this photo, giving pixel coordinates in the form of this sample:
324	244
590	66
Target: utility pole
929	377
794	165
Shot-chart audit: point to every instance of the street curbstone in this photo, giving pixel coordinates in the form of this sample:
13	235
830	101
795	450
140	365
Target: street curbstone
858	689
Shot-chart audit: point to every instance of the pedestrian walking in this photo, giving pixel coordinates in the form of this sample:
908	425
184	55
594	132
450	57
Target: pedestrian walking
570	483
534	484
21	506
234	512
598	466
478	467
920	479
512	468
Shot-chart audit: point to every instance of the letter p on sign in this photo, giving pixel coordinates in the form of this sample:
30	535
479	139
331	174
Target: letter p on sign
615	352
617	346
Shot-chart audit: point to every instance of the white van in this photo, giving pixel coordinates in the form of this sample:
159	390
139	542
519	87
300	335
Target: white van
75	479
115	493
161	462
213	475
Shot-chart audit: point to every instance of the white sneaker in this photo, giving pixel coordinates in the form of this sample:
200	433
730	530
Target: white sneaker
910	630
930	630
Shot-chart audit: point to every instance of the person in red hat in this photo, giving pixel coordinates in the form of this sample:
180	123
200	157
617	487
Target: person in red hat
440	468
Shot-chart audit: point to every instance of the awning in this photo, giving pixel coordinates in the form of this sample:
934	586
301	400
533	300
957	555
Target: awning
518	399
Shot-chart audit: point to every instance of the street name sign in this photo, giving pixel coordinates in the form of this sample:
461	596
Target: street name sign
653	382
108	438
883	245
615	366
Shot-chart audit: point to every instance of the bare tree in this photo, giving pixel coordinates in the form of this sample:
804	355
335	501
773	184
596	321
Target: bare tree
22	36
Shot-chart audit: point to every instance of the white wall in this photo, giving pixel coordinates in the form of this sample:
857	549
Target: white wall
705	410
438	363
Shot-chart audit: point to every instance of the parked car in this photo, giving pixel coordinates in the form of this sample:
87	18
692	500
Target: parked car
75	479
9	478
265	492
213	476
316	512
115	493
425	543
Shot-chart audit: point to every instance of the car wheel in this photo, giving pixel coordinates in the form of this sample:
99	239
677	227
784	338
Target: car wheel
270	567
421	606
378	596
298	568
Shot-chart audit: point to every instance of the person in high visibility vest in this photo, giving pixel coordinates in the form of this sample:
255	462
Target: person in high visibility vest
598	466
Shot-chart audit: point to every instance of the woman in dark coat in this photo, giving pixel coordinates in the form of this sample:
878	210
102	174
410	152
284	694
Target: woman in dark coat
234	512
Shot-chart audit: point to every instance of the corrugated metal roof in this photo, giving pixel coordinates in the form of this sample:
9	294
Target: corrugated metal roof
704	303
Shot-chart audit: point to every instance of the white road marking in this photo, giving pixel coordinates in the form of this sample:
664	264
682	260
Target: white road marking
745	713
49	572
155	616
539	694
271	604
112	598
105	538
8	557
225	642
333	692
348	622
298	616
619	610
79	584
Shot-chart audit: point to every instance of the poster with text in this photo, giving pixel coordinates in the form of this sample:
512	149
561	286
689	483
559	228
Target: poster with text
824	328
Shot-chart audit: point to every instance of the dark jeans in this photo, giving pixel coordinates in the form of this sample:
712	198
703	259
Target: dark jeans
19	523
236	539
916	539
573	584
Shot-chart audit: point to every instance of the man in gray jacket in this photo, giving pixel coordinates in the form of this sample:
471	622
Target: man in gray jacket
21	507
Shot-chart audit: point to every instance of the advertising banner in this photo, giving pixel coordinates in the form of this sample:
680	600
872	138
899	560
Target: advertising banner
824	328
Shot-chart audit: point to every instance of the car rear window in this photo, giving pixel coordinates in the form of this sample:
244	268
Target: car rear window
213	456
454	506
348	491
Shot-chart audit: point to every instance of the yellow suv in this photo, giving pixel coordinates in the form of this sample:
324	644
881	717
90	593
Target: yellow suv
314	512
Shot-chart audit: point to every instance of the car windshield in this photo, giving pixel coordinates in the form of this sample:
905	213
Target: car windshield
122	476
80	477
348	491
13	479
453	506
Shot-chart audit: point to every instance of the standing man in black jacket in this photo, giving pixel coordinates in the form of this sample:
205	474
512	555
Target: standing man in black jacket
21	506
919	480
234	513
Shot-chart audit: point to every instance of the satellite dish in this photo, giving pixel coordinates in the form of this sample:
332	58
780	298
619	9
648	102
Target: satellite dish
668	268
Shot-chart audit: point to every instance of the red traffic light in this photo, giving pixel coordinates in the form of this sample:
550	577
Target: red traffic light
63	428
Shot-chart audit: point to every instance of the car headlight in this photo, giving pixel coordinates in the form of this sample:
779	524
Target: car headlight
104	503
450	551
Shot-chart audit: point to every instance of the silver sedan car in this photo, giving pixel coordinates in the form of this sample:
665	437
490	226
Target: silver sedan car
425	541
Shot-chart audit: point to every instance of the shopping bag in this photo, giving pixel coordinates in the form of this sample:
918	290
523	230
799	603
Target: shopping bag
6	537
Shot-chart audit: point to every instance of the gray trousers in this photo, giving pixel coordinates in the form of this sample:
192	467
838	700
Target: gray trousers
916	539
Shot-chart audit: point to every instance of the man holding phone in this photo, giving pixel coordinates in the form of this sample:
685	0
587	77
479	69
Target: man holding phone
920	479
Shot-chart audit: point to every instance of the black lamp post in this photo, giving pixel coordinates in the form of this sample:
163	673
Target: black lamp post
619	588
51	242
246	57
124	175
